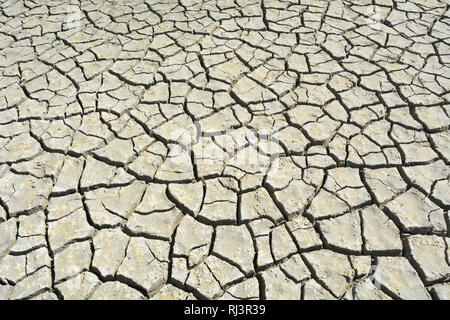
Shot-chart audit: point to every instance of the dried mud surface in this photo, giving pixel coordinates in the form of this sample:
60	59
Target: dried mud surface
224	149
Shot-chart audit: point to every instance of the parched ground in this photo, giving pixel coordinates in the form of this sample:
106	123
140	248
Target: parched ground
224	149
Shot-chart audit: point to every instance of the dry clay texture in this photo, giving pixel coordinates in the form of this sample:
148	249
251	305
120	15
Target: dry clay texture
224	149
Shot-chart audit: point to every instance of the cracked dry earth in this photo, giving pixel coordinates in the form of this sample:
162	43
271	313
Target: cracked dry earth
345	105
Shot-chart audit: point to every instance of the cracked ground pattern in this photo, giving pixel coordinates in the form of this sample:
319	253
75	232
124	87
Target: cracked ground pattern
345	104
